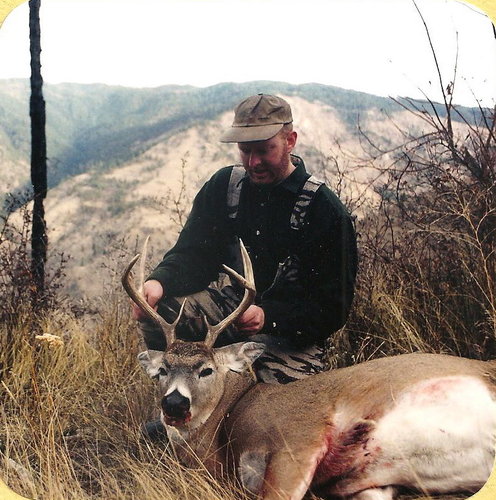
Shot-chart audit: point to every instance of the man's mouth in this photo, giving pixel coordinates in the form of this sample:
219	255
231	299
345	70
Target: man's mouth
258	174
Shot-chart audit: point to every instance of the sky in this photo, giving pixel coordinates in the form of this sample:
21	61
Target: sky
375	46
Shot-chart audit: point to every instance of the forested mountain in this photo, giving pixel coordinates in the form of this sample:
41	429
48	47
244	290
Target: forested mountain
102	126
126	162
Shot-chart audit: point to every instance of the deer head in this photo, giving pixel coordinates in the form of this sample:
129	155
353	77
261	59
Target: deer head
192	375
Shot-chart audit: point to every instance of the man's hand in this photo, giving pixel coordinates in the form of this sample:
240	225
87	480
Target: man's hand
153	292
251	321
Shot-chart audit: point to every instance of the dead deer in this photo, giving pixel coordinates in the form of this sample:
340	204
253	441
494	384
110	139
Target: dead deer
416	421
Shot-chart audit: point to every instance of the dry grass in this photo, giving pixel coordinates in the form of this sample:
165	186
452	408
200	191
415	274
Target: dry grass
71	413
73	400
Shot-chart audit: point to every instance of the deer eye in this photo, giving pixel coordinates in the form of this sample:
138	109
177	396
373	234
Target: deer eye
206	372
162	372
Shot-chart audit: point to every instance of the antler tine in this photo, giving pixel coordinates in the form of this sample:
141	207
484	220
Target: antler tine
167	329
142	267
248	282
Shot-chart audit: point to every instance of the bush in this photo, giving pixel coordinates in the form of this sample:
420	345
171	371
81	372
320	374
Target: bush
428	248
17	291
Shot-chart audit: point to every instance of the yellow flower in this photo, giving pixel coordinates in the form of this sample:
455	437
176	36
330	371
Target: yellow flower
50	339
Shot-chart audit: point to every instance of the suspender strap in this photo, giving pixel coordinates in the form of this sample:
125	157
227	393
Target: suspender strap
306	196
234	190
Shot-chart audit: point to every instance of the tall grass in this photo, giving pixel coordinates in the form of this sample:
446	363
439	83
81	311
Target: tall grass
71	412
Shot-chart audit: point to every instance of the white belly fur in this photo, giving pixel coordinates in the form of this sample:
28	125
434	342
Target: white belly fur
438	437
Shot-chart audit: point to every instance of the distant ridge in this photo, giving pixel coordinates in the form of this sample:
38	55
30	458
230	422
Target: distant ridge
100	126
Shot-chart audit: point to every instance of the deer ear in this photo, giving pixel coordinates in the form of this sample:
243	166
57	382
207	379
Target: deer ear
239	357
150	361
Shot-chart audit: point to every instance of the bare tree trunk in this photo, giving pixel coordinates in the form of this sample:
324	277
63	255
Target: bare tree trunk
39	240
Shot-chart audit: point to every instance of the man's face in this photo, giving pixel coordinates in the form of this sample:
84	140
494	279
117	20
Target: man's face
268	162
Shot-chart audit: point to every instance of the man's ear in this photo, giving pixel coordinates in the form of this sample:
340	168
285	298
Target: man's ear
150	361
238	357
291	140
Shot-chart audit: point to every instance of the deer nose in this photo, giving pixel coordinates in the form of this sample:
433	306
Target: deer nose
175	404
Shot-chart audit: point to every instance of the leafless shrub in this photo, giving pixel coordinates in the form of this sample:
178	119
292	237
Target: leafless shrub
428	250
177	201
16	282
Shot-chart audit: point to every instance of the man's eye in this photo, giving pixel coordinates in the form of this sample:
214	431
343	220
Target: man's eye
206	372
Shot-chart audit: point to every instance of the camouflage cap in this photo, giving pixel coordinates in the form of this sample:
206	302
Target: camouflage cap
258	118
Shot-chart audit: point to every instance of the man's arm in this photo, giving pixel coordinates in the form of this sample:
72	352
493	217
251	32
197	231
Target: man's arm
195	260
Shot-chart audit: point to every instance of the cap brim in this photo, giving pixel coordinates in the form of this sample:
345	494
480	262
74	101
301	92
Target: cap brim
251	134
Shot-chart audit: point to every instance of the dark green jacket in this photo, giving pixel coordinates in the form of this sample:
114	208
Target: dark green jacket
311	298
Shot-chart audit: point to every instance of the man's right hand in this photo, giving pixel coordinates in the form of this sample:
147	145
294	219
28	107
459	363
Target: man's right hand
153	292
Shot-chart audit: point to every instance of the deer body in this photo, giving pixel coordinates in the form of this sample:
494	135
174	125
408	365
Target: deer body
421	421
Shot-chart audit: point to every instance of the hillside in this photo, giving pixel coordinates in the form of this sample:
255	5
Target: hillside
119	157
99	126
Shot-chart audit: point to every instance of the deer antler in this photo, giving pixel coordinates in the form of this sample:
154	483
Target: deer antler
142	266
168	329
249	283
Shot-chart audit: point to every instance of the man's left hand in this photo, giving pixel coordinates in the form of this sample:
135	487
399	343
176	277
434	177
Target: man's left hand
251	321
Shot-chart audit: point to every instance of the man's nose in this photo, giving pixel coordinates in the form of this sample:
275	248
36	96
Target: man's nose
253	159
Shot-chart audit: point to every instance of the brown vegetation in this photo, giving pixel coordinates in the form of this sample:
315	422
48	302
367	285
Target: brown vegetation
428	248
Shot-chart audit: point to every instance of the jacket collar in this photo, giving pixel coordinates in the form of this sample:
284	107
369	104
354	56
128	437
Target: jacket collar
299	175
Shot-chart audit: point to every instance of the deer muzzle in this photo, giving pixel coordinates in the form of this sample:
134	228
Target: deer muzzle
176	409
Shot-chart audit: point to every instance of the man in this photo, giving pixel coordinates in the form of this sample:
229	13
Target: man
299	236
